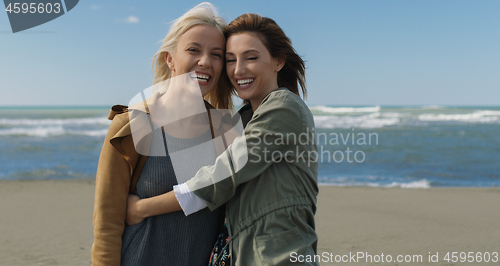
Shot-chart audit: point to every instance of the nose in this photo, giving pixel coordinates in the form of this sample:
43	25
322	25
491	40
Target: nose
205	61
240	68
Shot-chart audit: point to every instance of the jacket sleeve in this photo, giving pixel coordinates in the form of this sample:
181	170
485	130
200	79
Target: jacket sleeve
264	143
110	205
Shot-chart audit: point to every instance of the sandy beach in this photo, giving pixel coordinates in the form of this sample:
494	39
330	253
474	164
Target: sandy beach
50	223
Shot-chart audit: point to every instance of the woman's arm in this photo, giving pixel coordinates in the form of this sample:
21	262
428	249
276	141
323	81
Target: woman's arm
274	135
139	209
244	160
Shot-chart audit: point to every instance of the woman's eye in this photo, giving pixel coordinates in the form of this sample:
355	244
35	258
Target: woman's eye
252	58
230	60
192	50
217	55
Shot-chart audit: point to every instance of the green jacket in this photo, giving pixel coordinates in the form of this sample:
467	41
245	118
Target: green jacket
271	200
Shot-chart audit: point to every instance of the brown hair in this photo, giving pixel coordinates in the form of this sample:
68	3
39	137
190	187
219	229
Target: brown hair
292	75
221	96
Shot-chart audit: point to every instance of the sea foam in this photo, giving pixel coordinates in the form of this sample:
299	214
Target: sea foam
49	127
338	110
374	120
482	116
50	132
376	117
53	122
415	184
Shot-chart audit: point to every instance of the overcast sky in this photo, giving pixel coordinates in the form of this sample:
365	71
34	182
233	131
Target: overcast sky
357	52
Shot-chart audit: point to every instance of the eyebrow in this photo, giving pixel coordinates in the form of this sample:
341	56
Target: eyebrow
245	52
193	43
197	44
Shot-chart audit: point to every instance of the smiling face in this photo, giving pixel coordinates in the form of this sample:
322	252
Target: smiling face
199	49
250	67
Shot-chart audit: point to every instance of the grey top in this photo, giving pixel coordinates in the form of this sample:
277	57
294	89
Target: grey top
172	238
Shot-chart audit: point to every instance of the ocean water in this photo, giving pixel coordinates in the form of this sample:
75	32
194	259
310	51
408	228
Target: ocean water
405	146
51	143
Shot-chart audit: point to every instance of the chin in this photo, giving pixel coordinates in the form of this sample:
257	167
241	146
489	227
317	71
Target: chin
205	91
243	95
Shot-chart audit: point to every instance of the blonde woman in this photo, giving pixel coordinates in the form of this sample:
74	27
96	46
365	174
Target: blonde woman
195	44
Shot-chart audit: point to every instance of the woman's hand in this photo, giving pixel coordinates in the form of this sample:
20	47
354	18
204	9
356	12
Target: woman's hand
133	211
139	209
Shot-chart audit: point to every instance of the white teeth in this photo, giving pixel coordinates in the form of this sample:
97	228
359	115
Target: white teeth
244	81
201	77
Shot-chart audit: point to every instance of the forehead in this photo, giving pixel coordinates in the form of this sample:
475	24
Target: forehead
242	42
202	35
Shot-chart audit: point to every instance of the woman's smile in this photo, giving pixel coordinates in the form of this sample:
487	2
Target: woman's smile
201	78
245	83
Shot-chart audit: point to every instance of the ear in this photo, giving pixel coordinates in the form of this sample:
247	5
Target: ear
169	60
280	63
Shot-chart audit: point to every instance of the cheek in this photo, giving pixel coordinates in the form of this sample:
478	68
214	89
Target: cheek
217	66
229	70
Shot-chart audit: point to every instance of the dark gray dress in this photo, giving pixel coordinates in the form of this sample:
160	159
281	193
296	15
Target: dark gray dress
172	238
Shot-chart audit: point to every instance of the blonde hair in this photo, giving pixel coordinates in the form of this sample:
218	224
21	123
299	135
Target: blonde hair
202	14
